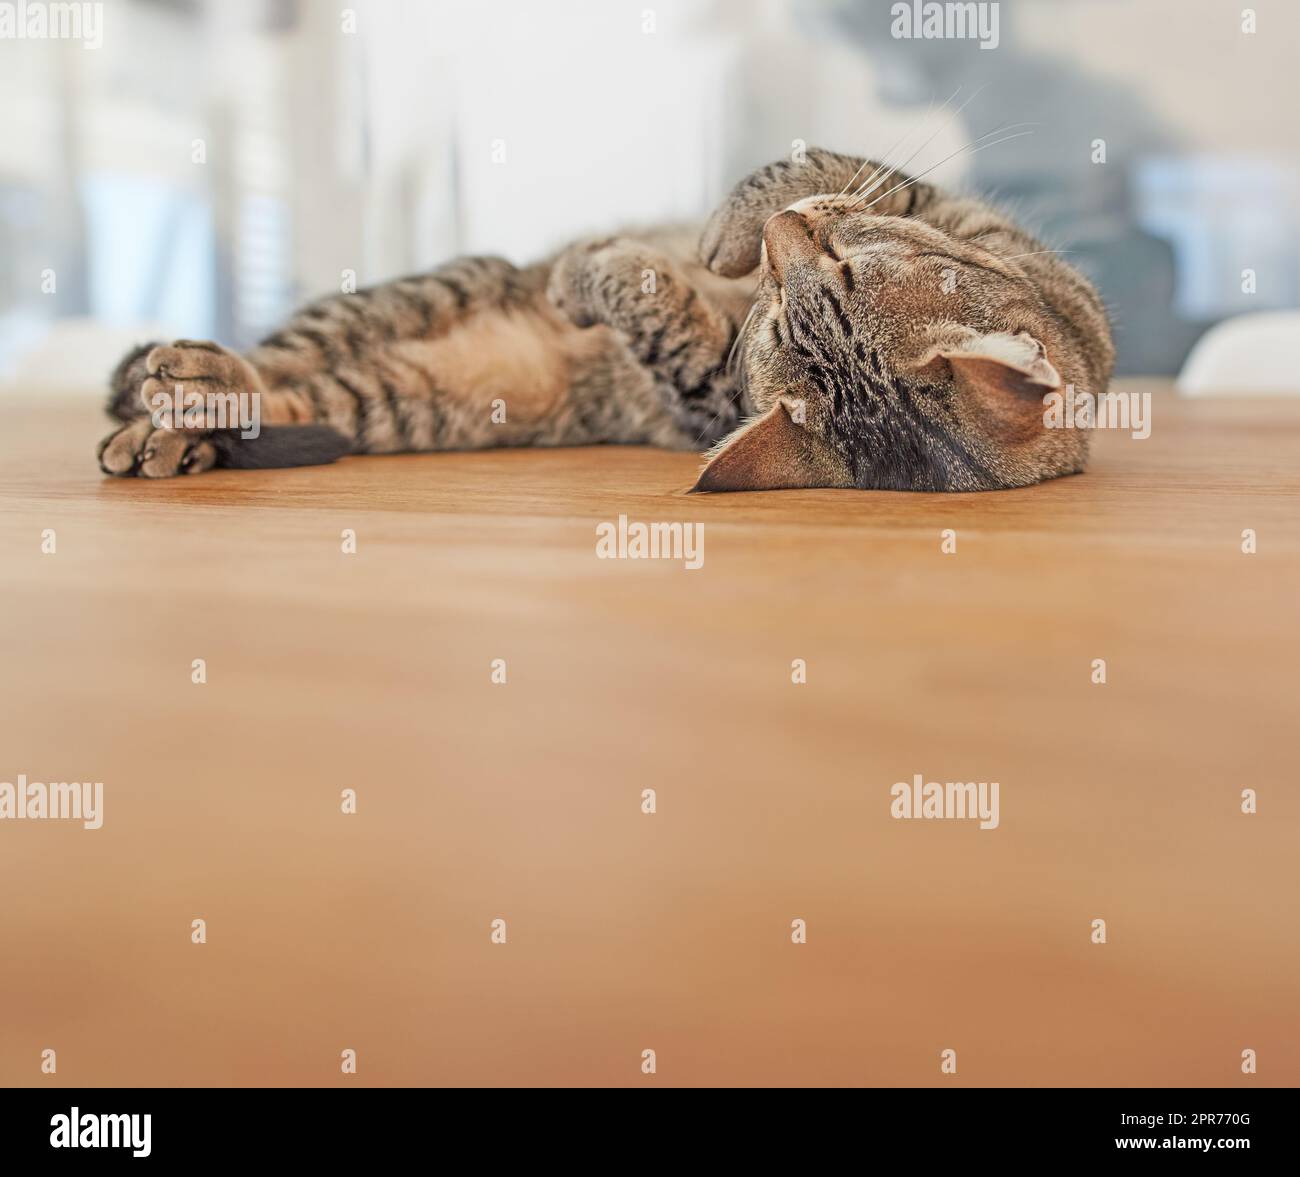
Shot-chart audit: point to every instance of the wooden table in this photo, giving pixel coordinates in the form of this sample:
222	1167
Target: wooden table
669	932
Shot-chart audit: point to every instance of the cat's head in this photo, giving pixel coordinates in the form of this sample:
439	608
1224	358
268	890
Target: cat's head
883	353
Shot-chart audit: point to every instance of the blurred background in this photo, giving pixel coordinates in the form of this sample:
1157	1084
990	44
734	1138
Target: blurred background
199	167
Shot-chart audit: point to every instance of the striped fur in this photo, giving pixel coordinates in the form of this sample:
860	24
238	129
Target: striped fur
619	339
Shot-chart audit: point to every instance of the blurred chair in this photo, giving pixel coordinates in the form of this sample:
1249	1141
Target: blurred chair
1247	355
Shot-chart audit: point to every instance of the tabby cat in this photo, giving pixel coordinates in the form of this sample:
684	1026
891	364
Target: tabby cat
896	337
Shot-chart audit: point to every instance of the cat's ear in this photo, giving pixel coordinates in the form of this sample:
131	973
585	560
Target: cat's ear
774	452
1007	376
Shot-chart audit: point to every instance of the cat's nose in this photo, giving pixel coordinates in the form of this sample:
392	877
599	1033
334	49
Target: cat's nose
789	242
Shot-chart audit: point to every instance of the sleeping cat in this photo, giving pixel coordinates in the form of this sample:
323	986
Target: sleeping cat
896	338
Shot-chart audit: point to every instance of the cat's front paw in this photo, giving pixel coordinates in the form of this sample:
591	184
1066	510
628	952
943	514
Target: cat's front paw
141	448
571	288
732	240
597	281
733	236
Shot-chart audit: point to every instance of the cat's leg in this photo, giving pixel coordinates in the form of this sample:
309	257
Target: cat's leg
338	362
193	404
150	390
733	235
348	327
672	327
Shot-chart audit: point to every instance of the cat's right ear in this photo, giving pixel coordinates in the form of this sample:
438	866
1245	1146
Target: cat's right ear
774	452
1006	375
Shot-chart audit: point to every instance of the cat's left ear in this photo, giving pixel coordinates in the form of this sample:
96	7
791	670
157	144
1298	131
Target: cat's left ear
774	452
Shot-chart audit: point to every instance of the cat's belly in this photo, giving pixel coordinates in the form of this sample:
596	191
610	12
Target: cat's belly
528	376
519	357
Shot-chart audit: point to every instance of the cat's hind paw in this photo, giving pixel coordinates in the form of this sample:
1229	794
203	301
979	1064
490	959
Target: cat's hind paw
139	449
157	368
198	366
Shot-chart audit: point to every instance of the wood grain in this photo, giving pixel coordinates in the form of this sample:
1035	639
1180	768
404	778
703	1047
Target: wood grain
522	801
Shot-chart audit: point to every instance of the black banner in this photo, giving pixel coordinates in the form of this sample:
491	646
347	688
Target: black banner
173	1126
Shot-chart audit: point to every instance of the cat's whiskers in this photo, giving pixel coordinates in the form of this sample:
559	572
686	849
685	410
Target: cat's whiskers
731	357
999	129
970	147
871	183
865	191
862	165
884	164
1035	253
740	334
